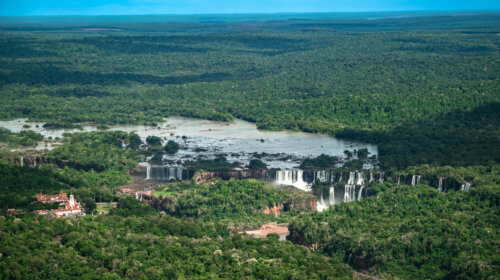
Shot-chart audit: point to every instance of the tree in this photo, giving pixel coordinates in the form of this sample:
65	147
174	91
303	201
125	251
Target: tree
363	153
89	204
153	140
348	153
171	147
257	164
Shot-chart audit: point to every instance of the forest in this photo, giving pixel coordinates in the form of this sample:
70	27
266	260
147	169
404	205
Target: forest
425	89
378	86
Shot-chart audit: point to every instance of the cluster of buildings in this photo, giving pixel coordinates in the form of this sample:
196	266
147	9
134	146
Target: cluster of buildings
67	207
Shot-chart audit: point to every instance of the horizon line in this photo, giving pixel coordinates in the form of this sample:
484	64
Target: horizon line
254	13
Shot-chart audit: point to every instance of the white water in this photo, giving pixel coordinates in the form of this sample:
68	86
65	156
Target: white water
360	194
331	199
465	187
360	178
352	177
292	178
349	193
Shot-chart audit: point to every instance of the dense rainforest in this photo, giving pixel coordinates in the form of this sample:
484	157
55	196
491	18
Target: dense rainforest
425	89
385	87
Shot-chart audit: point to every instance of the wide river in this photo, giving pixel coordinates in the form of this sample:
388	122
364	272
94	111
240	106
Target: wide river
238	140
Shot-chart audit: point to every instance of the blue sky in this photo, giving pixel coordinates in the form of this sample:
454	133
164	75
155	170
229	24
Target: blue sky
130	7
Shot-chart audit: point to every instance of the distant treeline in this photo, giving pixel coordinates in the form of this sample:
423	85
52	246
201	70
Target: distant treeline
419	94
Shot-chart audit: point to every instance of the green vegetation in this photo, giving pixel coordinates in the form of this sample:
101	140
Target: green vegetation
100	151
362	153
149	247
54	125
257	164
320	162
427	93
171	147
219	163
153	140
425	96
23	138
411	232
19	185
236	202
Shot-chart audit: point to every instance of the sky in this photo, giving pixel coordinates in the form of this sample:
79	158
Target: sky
137	7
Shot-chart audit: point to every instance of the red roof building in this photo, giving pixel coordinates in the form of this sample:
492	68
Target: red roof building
69	207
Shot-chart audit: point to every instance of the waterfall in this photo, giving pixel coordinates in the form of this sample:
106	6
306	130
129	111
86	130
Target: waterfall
399	179
371	177
349	193
381	177
179	173
320	176
292	178
165	173
360	193
321	203
440	187
22	161
137	196
419	179
340	179
352	177
331	198
360	178
416	180
465	187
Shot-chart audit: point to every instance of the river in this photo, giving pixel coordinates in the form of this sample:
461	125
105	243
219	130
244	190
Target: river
237	140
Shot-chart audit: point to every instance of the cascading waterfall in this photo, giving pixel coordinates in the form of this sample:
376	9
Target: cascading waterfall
321	203
349	193
320	176
357	183
352	178
360	178
440	186
22	161
166	173
416	180
331	198
465	187
419	179
381	179
292	178
360	193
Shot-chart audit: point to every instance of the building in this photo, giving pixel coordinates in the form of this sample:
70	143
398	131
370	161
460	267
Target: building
69	207
11	212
